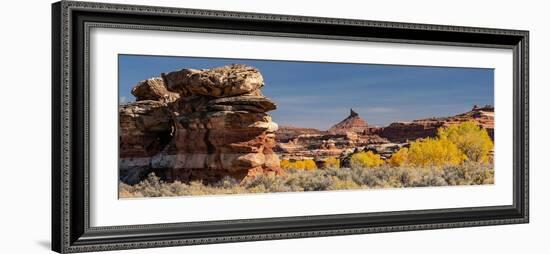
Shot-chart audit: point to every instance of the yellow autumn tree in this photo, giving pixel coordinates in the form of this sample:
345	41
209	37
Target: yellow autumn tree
332	162
434	152
399	158
286	164
309	165
298	164
366	159
470	138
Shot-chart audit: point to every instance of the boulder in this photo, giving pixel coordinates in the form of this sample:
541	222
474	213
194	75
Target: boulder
153	89
225	81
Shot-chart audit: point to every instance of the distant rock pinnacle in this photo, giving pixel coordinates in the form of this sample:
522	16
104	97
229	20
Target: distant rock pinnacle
352	113
352	123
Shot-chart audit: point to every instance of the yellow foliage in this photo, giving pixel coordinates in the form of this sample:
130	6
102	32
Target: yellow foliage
366	160
454	145
399	158
332	162
298	164
470	138
309	165
285	164
434	152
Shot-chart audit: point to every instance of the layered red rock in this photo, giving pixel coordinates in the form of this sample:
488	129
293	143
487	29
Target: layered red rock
353	123
218	125
144	128
401	132
309	143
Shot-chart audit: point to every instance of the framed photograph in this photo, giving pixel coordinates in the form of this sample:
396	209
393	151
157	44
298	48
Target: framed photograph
181	126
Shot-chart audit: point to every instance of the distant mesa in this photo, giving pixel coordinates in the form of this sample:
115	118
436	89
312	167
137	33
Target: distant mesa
353	123
354	134
401	132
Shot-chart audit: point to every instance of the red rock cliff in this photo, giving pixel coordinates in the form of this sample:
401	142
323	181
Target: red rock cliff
401	132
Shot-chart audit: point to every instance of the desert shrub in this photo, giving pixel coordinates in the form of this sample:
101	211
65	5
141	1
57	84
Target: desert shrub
227	182
298	164
339	184
308	180
424	177
366	160
470	138
340	173
266	183
384	176
434	152
332	162
469	173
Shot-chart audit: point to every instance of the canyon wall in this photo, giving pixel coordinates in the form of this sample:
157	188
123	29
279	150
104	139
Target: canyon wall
401	132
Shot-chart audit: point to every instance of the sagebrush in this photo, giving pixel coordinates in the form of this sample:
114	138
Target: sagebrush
467	173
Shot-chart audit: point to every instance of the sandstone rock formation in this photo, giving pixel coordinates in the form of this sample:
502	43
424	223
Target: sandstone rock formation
353	123
153	89
199	125
306	143
401	132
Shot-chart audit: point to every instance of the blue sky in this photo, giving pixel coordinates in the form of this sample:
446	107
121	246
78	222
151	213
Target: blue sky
318	95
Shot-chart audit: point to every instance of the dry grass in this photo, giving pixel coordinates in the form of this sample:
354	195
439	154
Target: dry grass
321	180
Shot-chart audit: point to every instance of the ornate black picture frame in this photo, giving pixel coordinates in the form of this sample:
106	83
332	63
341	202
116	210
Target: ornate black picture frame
71	230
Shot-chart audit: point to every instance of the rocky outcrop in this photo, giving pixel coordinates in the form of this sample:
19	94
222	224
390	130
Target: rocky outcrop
153	89
353	123
401	132
287	133
226	81
214	123
144	130
307	143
